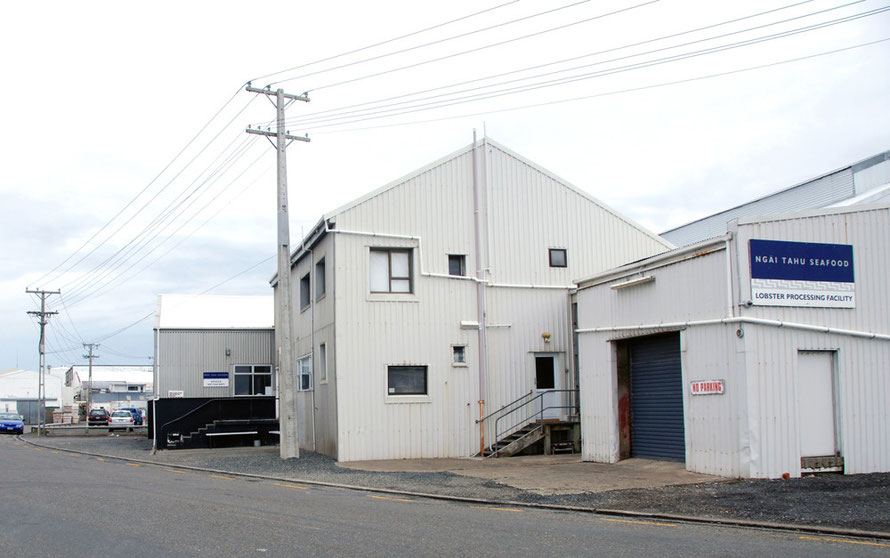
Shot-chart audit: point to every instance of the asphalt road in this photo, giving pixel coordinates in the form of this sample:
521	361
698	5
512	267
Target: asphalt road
55	503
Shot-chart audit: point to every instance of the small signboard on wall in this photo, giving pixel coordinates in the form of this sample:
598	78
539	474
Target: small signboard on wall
216	379
708	387
802	274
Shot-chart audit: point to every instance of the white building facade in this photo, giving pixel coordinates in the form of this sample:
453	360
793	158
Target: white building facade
759	353
441	297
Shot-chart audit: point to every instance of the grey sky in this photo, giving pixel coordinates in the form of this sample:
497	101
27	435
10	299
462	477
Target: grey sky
98	98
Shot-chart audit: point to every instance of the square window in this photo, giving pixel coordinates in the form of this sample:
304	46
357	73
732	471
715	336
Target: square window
252	380
406	380
304	292
457	264
459	355
557	257
391	271
319	279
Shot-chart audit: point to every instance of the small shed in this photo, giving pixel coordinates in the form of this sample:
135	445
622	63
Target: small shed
211	346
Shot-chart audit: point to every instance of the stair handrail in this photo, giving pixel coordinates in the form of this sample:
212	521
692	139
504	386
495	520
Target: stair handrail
163	430
517	400
522	421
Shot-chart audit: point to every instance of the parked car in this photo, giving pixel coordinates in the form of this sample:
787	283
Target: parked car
137	415
121	419
98	417
12	422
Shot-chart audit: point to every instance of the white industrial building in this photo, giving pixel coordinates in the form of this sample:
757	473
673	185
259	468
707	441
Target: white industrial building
442	297
761	352
19	392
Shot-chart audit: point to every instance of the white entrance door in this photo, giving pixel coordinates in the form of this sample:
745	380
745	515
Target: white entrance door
548	378
816	403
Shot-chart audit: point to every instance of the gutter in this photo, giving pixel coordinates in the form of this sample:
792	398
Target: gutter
740	320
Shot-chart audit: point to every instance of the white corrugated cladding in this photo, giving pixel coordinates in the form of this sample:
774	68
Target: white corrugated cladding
184	355
527	211
753	429
863	389
685	287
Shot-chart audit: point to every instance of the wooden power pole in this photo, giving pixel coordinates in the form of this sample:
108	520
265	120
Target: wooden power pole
287	381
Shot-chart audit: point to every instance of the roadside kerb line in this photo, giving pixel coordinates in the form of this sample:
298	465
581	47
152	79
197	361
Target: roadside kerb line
859	533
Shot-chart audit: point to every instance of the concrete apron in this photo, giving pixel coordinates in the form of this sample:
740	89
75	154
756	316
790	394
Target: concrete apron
550	474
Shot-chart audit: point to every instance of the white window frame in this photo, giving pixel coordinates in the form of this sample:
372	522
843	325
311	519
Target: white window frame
252	374
304	373
455	363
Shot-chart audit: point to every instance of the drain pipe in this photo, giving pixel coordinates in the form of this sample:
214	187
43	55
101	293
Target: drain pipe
480	294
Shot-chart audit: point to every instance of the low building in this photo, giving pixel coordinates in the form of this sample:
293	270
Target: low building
213	346
20	393
756	354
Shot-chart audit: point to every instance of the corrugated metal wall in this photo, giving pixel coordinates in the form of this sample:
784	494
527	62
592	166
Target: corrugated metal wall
184	356
530	212
753	430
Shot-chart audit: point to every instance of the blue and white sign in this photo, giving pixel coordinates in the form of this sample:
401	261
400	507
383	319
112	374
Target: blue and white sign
802	274
216	379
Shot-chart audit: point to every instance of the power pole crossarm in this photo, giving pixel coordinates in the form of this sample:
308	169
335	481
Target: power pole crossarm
288	414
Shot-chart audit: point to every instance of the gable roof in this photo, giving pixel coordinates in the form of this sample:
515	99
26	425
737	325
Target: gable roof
320	228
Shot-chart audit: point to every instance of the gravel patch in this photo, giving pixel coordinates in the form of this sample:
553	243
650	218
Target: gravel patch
837	501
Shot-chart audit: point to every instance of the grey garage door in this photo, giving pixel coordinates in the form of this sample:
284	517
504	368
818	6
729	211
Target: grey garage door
656	398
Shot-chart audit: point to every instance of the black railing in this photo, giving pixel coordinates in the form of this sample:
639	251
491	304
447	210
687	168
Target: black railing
207	411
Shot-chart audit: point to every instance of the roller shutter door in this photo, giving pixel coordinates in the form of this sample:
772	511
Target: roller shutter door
656	398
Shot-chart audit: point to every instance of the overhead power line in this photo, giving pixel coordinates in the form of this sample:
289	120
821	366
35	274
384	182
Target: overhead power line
343	110
381	43
415	105
616	92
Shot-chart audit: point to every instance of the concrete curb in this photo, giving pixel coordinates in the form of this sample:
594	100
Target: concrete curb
744	523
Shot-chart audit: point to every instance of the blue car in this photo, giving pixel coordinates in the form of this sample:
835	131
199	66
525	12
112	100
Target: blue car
12	422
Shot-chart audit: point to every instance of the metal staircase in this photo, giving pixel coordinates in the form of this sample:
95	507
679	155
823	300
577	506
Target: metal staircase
521	423
225	433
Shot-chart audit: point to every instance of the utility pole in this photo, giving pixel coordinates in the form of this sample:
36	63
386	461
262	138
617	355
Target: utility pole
41	387
287	381
90	356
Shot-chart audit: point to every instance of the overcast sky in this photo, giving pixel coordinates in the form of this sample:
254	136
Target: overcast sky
100	98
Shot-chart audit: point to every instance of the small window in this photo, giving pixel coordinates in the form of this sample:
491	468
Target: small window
319	279
459	355
304	292
252	380
304	373
406	380
391	271
323	362
557	257
457	264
